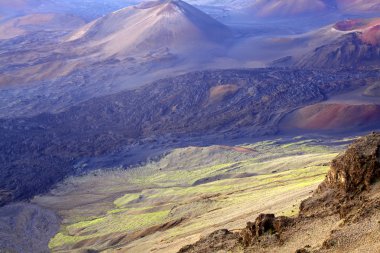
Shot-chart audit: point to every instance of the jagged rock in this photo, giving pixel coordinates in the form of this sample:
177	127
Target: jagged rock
281	223
357	168
350	175
265	224
264	231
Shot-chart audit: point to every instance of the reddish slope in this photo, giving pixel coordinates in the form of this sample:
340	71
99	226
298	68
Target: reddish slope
358	45
332	117
372	36
369	29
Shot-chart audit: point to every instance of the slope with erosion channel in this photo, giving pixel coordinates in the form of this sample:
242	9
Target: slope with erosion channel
49	147
348	51
166	204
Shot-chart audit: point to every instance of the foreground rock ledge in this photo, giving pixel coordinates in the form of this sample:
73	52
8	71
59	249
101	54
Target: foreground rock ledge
349	196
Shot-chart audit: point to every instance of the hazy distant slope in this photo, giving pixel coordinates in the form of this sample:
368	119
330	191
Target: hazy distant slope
17	7
275	8
150	27
20	5
294	8
357	6
38	22
88	9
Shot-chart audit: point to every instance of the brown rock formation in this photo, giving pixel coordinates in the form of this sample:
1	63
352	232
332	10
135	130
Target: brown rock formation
350	175
265	224
217	241
357	168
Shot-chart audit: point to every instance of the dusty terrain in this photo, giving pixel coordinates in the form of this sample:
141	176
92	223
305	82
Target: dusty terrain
188	193
342	215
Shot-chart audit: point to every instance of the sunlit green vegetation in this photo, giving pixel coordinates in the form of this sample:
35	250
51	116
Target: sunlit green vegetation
126	199
164	191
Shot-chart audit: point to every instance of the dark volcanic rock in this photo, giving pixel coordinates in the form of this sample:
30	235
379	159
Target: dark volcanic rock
5	197
264	223
37	152
26	228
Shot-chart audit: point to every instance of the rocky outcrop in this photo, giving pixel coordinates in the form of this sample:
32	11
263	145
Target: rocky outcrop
351	175
266	226
357	169
265	232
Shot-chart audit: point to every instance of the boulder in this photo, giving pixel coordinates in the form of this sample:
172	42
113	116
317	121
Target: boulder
265	224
